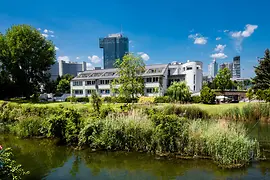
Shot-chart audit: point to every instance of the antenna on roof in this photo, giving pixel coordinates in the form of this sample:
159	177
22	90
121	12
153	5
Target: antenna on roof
121	32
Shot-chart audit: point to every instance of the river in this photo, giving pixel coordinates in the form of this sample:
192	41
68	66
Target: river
47	160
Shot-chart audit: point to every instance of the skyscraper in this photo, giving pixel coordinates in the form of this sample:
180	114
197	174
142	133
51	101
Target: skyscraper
236	67
227	65
115	46
213	69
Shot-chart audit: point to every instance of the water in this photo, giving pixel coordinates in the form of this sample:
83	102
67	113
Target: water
45	160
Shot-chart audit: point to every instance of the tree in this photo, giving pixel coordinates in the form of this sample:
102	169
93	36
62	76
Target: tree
179	91
207	95
26	56
63	85
262	71
129	84
223	79
96	101
250	94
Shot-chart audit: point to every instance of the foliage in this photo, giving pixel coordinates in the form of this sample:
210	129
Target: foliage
146	100
262	71
63	85
129	84
207	95
162	99
223	79
196	99
96	101
179	91
26	56
77	99
9	169
250	94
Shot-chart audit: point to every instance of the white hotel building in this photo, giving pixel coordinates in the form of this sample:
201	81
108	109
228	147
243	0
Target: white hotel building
156	77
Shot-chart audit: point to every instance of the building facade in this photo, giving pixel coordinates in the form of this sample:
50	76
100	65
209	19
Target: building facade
115	46
61	68
213	69
227	65
157	79
236	73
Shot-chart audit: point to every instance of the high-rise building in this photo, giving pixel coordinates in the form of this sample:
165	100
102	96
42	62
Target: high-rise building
115	46
213	69
236	67
226	65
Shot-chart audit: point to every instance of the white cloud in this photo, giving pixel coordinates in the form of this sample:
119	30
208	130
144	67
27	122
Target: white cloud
226	30
198	38
94	59
64	58
56	48
220	48
145	56
38	29
52	35
239	36
45	35
51	31
46	31
218	38
77	57
89	66
219	55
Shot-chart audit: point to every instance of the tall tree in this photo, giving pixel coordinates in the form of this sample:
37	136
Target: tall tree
27	56
207	95
129	84
63	85
179	91
223	79
262	71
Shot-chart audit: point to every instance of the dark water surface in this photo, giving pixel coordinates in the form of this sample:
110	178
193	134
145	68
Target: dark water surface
45	160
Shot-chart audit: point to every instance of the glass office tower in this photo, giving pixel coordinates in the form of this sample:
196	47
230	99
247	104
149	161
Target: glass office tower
115	46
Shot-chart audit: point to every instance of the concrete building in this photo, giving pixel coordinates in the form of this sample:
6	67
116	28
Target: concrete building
61	68
226	65
115	46
156	77
212	69
236	73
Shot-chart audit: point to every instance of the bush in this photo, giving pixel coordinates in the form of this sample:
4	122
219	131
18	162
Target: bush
162	99
146	100
108	99
208	95
77	99
9	169
196	99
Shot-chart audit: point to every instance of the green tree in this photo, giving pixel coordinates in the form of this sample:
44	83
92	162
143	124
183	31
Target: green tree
208	96
223	79
63	85
250	94
130	83
262	71
179	91
96	101
260	94
26	56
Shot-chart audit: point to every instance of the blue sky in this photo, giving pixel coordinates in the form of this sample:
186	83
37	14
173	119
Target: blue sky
163	31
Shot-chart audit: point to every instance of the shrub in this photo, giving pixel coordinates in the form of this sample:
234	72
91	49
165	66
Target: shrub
208	95
9	169
179	91
77	99
146	100
196	99
162	99
108	99
96	101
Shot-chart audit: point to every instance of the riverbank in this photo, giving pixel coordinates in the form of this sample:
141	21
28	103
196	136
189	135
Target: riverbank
175	130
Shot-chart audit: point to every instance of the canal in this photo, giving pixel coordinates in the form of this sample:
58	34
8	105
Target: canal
47	160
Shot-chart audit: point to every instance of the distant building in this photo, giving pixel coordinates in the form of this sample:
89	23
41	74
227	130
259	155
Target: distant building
213	69
226	65
236	73
115	46
157	76
61	68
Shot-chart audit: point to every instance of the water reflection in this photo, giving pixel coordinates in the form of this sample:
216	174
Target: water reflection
45	160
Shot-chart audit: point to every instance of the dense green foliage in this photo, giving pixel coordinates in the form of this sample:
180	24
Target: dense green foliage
162	99
26	56
223	79
250	94
165	129
196	99
63	86
96	101
129	84
179	91
262	71
207	95
9	169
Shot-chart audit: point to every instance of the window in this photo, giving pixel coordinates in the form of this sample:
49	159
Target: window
87	83
184	69
155	79
90	91
148	80
78	91
104	81
189	68
194	79
77	83
150	90
194	88
104	91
